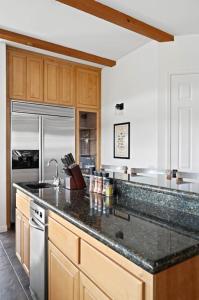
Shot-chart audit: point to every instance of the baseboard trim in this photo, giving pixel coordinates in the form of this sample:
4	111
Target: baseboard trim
3	228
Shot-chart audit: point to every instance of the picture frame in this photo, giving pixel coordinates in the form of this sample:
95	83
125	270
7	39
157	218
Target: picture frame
121	140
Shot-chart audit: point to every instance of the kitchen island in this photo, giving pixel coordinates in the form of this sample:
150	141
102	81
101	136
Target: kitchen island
122	241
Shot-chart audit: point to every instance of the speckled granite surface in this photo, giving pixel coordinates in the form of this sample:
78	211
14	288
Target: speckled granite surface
129	225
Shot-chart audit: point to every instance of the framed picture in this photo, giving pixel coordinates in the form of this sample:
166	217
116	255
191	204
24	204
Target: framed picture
122	140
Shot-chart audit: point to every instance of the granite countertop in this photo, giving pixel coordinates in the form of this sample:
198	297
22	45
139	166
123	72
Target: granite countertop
131	231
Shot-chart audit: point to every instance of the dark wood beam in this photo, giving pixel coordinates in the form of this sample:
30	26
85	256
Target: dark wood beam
41	44
114	16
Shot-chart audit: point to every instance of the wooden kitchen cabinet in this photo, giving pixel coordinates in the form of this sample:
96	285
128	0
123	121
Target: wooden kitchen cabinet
66	84
17	63
51	81
89	291
18	237
88	138
63	276
88	84
35	78
26	244
38	78
23	240
22	230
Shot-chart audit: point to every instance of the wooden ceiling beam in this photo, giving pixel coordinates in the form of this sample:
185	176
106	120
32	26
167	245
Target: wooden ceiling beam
114	16
41	44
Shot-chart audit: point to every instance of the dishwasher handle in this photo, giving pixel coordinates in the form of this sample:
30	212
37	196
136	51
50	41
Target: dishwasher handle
35	225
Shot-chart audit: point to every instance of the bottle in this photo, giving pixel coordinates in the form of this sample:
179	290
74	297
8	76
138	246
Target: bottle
95	182
109	187
105	177
92	182
99	183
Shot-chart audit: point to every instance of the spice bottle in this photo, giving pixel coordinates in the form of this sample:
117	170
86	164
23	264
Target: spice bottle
105	177
109	187
99	183
92	182
95	181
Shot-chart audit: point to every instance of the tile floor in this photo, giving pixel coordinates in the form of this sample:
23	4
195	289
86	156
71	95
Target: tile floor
14	283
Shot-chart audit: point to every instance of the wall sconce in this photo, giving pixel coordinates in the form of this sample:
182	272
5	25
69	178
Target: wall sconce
119	106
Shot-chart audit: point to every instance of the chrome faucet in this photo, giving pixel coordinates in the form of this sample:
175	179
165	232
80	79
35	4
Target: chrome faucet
56	178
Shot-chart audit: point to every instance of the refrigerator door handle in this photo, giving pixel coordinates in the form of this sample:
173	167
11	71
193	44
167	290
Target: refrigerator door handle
41	134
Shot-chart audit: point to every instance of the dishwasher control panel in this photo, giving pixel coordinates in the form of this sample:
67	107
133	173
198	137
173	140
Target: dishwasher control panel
38	212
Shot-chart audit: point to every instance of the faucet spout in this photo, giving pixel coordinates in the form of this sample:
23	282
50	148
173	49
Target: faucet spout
56	178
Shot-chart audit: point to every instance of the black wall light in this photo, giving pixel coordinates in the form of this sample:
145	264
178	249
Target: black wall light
119	106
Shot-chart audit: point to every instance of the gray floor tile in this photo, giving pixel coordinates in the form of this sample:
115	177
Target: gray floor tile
10	288
14	282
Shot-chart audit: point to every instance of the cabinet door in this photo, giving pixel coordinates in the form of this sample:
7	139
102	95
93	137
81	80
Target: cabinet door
18	226
66	84
88	138
88	291
35	78
17	75
63	276
87	88
51	81
26	244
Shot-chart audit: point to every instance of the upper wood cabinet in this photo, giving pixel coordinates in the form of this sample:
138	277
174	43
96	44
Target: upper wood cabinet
66	84
38	78
34	78
17	75
87	87
51	81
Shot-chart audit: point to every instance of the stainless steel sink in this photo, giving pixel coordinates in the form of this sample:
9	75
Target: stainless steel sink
39	185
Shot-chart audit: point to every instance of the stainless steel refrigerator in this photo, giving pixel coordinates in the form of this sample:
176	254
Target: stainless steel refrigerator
39	133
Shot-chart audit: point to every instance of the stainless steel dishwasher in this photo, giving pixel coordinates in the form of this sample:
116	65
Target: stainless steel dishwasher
38	252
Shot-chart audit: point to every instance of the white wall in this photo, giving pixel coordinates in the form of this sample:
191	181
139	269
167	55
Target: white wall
3	226
134	82
180	57
142	81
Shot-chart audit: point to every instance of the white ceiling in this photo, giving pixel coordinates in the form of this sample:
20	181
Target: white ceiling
178	17
61	24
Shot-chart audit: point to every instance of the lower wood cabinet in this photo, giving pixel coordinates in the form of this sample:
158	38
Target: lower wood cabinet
26	244
18	228
23	240
63	276
89	291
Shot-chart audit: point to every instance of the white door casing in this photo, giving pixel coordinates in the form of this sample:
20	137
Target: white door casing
184	139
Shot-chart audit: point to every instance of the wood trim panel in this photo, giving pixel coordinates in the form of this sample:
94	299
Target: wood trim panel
41	44
180	282
114	16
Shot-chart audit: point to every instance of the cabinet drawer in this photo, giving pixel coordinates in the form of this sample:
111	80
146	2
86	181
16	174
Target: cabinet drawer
66	241
116	282
23	205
